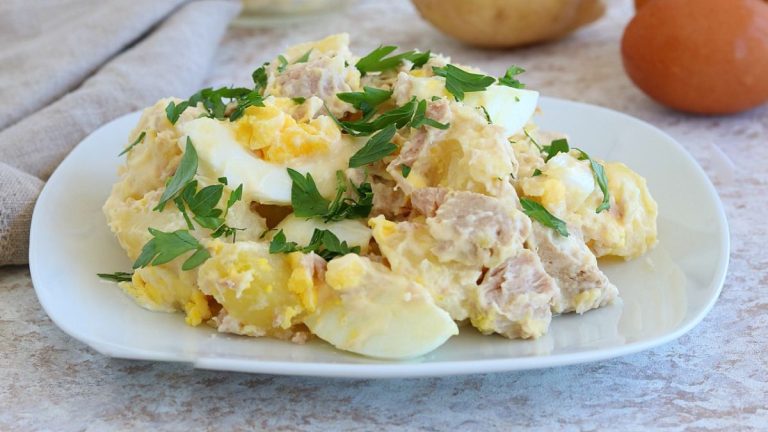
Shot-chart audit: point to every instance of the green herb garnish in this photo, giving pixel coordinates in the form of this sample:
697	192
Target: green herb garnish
139	139
377	147
283	63
304	58
420	118
305	198
598	171
555	147
405	170
367	100
377	60
167	246
509	79
324	243
213	101
485	113
538	213
116	276
458	81
536	173
183	175
298	100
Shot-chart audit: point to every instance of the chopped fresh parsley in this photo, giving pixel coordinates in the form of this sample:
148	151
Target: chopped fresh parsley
213	101
304	57
536	173
324	243
538	213
116	276
298	100
377	60
283	63
400	117
532	139
377	147
555	147
598	170
485	113
305	198
139	139
167	246
509	79
307	201
367	100
183	175
344	207
260	77
458	81
405	170
420	118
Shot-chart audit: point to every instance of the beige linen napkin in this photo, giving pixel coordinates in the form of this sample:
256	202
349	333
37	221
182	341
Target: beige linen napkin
67	67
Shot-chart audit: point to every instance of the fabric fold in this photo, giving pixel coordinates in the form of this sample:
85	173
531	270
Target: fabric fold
172	60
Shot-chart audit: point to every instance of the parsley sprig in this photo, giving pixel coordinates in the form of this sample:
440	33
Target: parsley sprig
458	81
136	142
509	79
116	276
598	170
323	242
379	146
377	60
420	118
167	246
183	175
540	214
366	101
308	203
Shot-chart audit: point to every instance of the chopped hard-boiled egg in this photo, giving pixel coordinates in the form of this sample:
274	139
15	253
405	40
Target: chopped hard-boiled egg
368	309
264	181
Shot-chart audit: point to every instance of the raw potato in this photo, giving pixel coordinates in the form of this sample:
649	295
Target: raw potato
509	23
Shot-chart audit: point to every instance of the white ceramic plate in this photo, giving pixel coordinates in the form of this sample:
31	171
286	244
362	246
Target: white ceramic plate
665	294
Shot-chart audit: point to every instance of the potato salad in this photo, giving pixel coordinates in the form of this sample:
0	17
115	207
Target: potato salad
378	203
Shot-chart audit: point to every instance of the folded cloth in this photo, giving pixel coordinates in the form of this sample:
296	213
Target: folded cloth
135	52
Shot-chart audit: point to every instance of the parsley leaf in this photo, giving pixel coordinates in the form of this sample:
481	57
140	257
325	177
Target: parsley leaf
376	148
183	175
536	173
485	114
139	139
280	245
299	100
459	81
260	77
343	207
598	170
555	147
377	60
324	243
509	79
420	118
283	63
116	276
405	170
304	58
252	98
167	246
305	198
538	213
214	104
398	116
367	100
532	139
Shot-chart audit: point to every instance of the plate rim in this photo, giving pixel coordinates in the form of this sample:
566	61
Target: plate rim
395	369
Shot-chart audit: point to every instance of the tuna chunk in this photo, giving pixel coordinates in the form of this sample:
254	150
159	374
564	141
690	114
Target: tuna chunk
583	286
515	298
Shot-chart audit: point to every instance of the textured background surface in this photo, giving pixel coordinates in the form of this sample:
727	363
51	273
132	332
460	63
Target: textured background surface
716	377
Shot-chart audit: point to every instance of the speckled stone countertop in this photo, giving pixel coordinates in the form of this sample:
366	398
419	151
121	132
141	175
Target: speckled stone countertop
713	378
